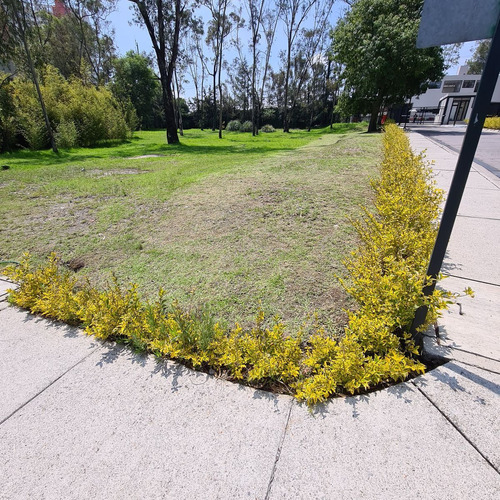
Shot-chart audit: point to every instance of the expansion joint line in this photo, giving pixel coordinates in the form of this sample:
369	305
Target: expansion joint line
466	278
46	387
485	458
278	452
478	367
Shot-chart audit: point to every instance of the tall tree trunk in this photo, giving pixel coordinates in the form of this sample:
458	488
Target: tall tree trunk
220	96
202	95
159	45
372	126
254	122
220	110
214	115
311	110
334	98
42	103
168	107
21	26
178	102
286	127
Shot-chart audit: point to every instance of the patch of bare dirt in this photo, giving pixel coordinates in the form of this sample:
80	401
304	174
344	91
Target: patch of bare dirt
144	156
98	173
75	264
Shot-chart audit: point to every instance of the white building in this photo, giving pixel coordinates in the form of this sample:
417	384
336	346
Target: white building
451	99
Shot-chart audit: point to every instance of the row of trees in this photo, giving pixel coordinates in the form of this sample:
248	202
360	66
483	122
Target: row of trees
190	39
366	62
180	40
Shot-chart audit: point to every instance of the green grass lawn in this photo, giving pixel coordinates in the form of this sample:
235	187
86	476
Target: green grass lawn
222	224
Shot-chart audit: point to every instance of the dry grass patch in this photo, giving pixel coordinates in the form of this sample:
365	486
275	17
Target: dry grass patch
273	230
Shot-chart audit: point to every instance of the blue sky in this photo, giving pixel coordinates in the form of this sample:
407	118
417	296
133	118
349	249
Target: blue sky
129	36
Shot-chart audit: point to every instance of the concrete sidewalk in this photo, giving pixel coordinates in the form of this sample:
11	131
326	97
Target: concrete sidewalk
82	419
469	331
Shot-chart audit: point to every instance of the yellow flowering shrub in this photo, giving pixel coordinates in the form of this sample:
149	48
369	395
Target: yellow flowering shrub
492	122
386	275
46	290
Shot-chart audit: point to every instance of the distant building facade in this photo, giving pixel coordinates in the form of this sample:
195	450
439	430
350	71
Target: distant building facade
451	99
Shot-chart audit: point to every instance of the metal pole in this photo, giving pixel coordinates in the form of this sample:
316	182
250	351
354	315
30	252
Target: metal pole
465	159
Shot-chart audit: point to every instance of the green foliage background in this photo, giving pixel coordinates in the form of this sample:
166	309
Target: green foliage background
376	45
80	114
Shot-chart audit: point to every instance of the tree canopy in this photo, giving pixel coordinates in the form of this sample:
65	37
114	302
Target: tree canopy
376	45
135	80
478	60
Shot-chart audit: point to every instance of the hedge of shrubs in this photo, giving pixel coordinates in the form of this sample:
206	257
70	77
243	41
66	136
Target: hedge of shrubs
492	122
80	114
386	276
237	126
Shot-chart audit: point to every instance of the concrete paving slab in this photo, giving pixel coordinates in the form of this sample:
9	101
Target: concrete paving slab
470	398
473	250
119	425
441	157
473	323
4	286
494	179
475	180
437	347
480	203
33	353
392	444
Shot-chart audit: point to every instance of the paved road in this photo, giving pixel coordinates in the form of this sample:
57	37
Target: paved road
488	150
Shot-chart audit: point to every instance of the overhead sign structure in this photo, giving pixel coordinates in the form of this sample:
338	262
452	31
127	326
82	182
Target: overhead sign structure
453	21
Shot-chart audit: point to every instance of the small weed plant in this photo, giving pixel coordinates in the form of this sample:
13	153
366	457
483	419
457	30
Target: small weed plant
387	272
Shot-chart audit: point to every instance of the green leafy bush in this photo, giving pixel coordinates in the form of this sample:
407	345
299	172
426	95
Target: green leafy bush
80	114
233	126
387	272
246	126
7	122
66	134
267	129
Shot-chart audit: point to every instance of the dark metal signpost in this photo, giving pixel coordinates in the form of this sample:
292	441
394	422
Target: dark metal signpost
450	21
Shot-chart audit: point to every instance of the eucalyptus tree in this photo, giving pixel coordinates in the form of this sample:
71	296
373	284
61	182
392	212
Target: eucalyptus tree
167	21
86	23
478	60
293	13
309	50
256	10
22	33
269	21
196	67
219	27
